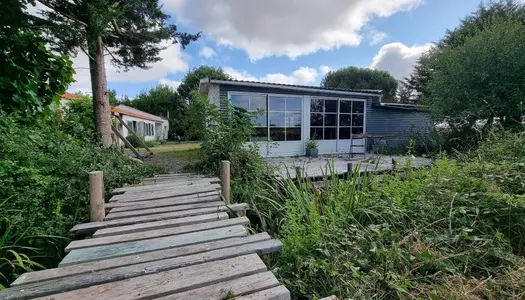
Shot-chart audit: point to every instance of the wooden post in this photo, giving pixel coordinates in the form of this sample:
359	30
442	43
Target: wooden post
225	180
137	154
350	167
96	196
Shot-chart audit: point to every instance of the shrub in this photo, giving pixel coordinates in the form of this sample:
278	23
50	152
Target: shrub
135	141
152	143
452	231
44	175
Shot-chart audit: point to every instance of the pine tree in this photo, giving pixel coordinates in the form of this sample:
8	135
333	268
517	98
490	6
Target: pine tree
132	32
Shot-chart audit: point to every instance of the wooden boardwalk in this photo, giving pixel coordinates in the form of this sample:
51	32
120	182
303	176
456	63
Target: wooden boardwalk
171	237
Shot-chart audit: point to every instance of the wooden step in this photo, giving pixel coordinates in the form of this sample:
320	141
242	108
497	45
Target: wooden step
137	247
191	199
157	210
143	196
169	282
48	274
166	186
49	287
275	293
152	234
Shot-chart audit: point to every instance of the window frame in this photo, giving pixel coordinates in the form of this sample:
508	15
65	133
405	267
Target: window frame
338	114
268	127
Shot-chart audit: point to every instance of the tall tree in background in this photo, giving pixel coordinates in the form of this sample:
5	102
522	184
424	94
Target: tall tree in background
469	27
191	80
362	78
131	32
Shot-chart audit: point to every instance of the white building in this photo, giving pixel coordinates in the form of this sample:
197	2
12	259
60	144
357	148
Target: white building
146	125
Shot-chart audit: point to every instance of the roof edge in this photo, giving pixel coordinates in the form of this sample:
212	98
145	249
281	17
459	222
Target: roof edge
205	83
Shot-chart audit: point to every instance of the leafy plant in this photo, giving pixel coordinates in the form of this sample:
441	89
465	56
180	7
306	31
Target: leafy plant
312	143
135	141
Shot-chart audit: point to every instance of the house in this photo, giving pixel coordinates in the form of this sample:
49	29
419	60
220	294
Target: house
342	120
146	125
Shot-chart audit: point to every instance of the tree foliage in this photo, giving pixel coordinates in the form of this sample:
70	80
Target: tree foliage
483	78
191	80
31	76
470	26
362	78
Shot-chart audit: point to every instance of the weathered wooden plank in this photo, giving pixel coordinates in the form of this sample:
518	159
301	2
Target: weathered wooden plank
276	293
54	286
221	290
89	267
137	247
93	226
151	211
160	224
151	234
170	282
197	198
166	186
144	196
176	175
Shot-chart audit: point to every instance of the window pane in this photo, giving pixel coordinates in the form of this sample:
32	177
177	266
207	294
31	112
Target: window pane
358	107
344	133
316	133
277	103
242	101
330	106
330	133
277	119
316	119
277	134
293	104
330	120
260	120
260	134
293	134
344	120
357	130
345	106
316	105
357	120
257	102
293	119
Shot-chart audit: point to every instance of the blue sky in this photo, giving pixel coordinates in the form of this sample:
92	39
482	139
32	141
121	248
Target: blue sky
293	41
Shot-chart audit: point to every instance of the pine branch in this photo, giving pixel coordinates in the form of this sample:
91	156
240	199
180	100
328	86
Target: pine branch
55	8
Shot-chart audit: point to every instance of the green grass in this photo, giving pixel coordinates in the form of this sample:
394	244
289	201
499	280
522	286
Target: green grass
175	157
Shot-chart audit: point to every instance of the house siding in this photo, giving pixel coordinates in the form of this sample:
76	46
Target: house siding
395	125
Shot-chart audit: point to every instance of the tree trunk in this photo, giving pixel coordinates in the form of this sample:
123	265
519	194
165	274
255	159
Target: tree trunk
99	87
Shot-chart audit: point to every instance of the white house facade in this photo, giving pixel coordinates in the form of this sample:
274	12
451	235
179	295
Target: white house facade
146	125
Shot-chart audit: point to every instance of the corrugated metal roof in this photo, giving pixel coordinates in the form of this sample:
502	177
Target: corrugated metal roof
133	112
290	86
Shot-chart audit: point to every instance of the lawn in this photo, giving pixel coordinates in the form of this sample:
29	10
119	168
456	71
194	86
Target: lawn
173	156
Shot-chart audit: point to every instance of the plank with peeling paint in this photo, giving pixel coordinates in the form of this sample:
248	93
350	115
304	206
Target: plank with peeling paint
137	247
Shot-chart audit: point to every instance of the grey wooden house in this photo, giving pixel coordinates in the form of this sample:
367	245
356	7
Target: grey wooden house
342	120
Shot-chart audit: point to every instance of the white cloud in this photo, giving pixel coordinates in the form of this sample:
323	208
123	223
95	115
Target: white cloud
398	59
290	28
324	69
207	52
375	37
303	75
173	61
171	83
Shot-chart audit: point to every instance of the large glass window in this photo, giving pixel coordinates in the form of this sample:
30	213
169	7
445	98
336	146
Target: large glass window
284	115
336	119
254	103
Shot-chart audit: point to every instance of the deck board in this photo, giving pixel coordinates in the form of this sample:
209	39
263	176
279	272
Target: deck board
152	234
184	200
151	195
169	282
156	210
117	250
54	286
167	185
94	266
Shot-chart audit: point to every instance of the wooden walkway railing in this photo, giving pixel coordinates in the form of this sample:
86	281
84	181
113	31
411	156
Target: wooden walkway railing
168	238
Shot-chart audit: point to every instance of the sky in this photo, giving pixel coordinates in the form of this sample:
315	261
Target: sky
291	41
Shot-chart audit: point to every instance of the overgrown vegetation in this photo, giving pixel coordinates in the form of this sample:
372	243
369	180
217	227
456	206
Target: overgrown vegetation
44	175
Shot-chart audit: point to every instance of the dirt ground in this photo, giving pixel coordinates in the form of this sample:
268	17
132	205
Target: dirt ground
173	157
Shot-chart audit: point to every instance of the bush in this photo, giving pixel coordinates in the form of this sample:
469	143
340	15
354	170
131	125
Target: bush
44	176
135	141
152	144
453	231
